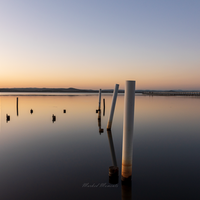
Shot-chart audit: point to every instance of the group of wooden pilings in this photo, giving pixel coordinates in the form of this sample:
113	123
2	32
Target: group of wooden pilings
31	111
128	126
112	107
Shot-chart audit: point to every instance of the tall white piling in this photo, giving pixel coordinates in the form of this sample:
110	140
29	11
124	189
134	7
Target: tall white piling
99	99
112	107
127	145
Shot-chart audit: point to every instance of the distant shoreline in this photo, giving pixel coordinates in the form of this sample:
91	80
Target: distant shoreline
74	90
54	90
182	93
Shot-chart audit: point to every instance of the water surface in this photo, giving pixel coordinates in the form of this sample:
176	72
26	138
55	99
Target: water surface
41	159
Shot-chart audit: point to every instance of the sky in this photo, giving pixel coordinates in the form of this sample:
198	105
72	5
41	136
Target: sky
96	44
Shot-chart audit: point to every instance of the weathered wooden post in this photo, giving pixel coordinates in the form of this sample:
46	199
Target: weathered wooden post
7	118
17	106
127	145
99	122
113	174
99	106
53	118
112	107
99	115
99	99
103	107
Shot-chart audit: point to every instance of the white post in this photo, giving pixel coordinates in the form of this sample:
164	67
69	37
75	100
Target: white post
127	146
99	99
112	107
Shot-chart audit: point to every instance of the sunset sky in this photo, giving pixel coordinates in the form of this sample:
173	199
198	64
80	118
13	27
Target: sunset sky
97	43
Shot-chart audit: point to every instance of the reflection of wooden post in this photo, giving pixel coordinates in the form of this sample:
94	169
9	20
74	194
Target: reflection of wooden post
112	107
113	170
127	146
99	115
17	106
103	107
112	149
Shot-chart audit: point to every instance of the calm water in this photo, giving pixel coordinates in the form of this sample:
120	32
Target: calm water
40	159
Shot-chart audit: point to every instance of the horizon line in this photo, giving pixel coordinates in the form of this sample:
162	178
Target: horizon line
9	88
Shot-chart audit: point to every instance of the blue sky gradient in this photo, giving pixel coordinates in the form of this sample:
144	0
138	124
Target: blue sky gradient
93	44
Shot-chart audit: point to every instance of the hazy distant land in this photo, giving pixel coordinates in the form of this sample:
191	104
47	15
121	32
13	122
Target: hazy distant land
75	90
56	90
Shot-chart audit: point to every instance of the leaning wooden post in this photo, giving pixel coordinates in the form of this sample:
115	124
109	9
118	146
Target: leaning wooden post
112	107
127	145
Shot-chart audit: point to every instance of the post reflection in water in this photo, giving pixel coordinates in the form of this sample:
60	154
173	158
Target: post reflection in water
126	191
160	180
113	170
112	149
99	122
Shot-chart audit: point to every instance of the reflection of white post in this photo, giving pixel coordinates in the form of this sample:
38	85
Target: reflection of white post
112	148
126	191
127	146
112	107
99	99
